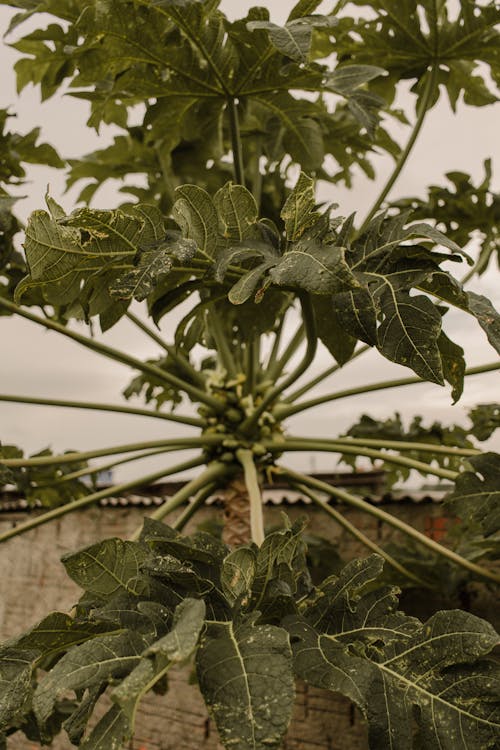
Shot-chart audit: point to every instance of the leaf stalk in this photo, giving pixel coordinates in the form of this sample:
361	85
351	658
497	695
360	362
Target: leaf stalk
357	502
245	457
180	419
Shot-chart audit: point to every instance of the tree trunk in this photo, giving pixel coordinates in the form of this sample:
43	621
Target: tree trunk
236	514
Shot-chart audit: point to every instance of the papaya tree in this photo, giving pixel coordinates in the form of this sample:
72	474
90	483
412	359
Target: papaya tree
241	120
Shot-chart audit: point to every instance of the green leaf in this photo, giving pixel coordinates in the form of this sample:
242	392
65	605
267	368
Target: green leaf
487	317
409	332
485	419
15	683
76	723
109	732
248	285
316	267
476	499
178	644
331	331
173	648
407	38
293	127
238	254
237	211
357	312
195	213
74	259
152	267
303	8
452	359
245	676
294	39
347	78
398	671
463	211
55	633
108	567
279	567
99	660
238	571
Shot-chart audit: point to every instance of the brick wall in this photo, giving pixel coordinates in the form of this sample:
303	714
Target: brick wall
33	582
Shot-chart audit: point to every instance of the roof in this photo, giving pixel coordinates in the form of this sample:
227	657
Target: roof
370	485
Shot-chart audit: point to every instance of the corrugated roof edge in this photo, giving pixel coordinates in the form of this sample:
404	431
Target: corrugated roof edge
276	494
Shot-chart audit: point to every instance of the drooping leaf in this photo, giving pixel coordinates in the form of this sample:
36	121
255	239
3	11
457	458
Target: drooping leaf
245	676
175	647
279	571
487	317
152	267
242	252
409	332
76	723
316	267
15	683
248	285
74	259
88	665
56	633
452	358
357	312
331	331
109	732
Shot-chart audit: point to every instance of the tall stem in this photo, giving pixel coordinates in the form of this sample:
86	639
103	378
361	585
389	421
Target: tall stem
357	502
423	109
68	458
245	457
323	375
117	356
83	502
238	164
273	356
286	410
192	421
312	343
223	349
333	446
280	364
179	358
356	533
252	364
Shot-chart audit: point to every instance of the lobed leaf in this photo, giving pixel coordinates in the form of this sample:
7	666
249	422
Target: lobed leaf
351	639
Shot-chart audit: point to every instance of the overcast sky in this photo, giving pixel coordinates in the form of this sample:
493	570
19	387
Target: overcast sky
36	362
